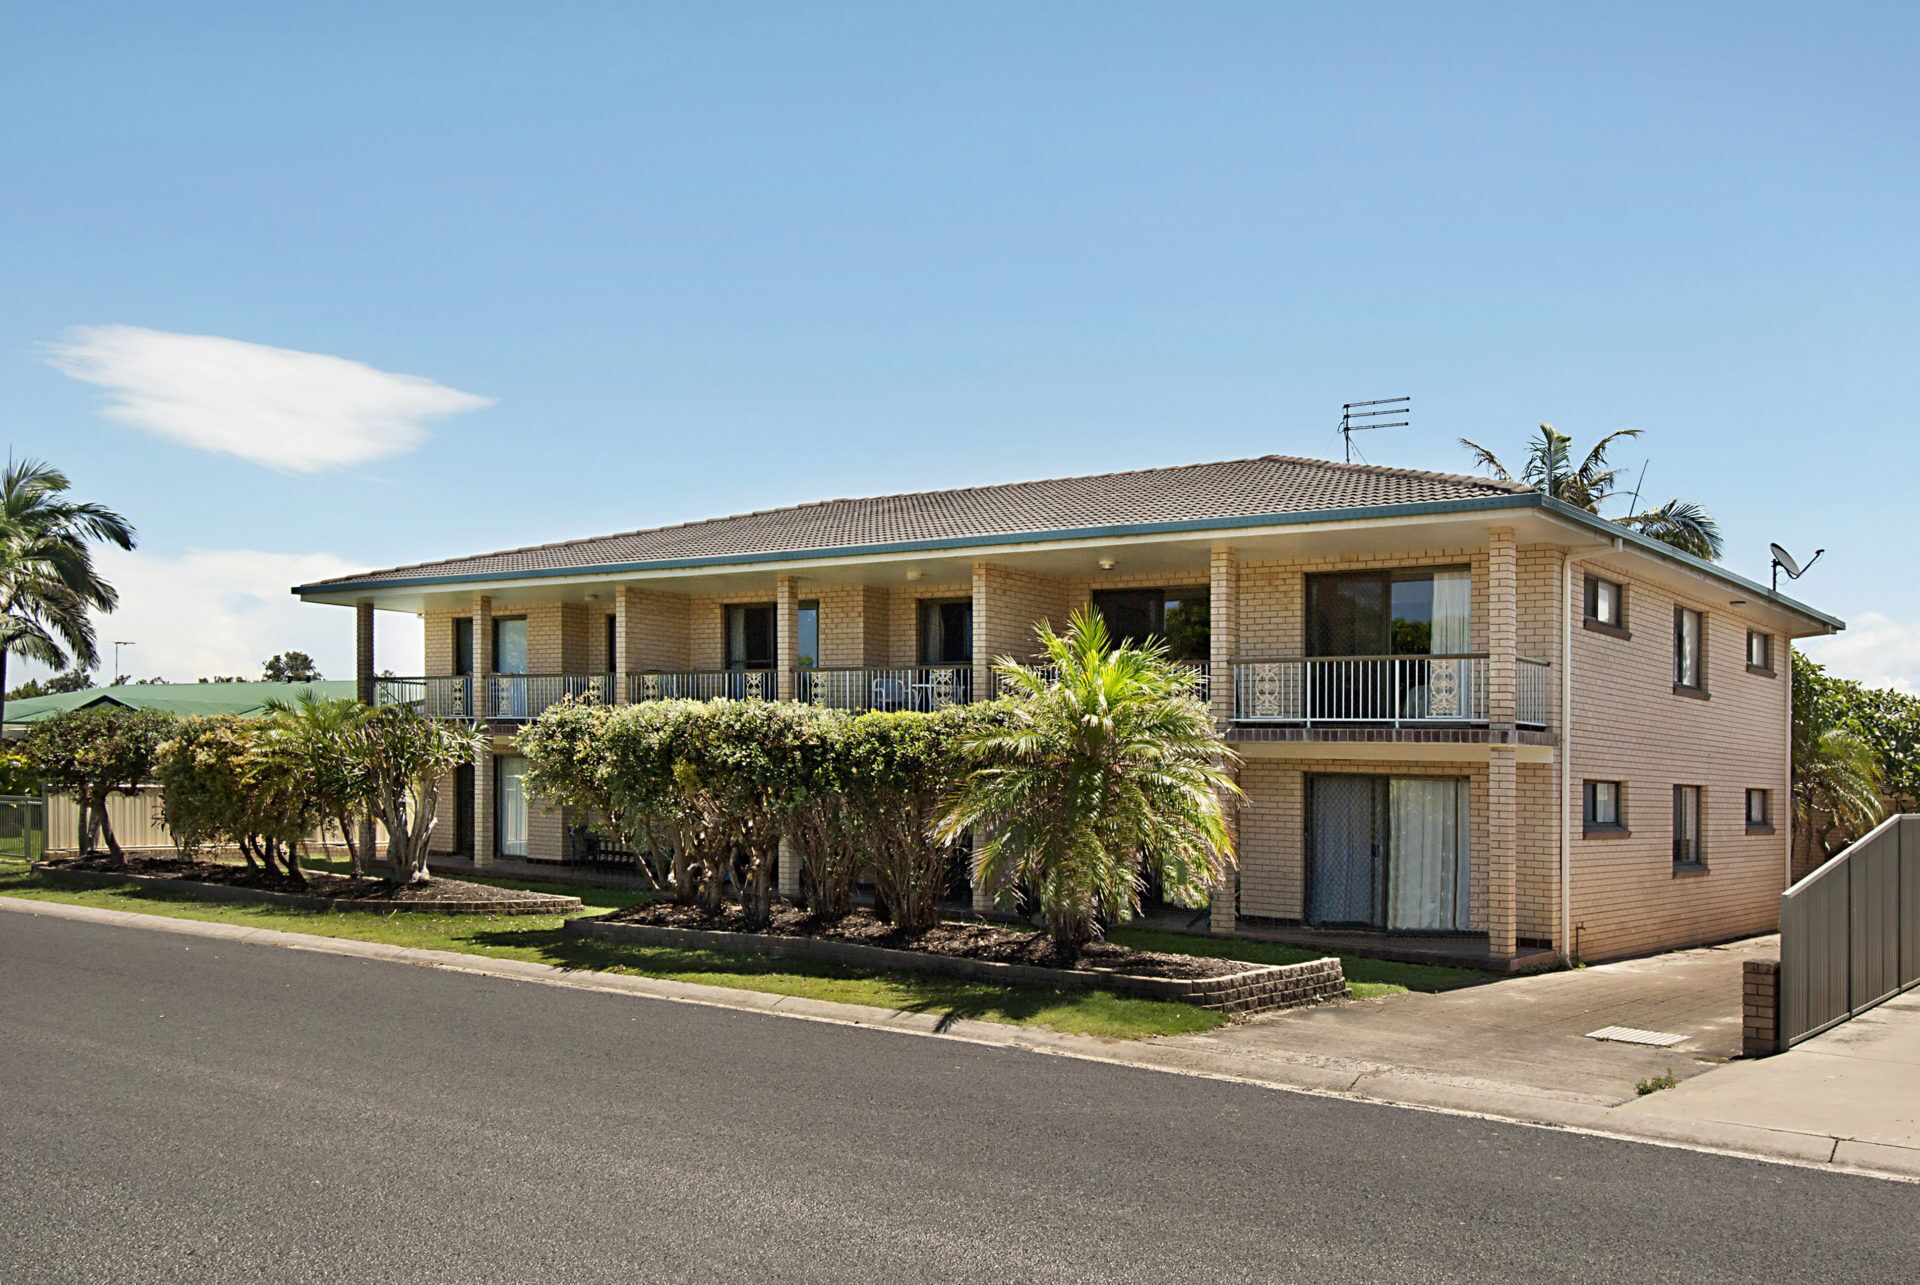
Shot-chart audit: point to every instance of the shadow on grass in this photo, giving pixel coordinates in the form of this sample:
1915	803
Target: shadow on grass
952	999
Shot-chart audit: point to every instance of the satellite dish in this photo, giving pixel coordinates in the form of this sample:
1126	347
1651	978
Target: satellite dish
1784	561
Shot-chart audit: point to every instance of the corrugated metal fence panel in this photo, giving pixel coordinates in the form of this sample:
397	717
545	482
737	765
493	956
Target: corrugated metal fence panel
137	822
1850	931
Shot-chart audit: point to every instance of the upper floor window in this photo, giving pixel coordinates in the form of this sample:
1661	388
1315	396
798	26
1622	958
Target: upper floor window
1689	643
806	634
1390	613
510	645
1759	652
613	642
463	644
1180	618
1760	810
1606	605
1688	849
946	632
752	635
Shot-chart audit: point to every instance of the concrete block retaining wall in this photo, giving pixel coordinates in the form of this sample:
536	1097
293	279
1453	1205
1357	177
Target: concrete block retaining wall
1261	988
548	903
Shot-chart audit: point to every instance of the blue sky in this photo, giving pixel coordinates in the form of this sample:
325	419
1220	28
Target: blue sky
663	262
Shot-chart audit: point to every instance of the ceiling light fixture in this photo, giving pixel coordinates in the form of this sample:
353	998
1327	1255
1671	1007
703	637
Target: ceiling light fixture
1106	564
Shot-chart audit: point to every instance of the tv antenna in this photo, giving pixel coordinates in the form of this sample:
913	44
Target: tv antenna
1784	561
1356	417
118	643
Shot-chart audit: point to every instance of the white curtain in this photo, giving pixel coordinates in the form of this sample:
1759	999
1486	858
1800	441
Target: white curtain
512	838
1450	691
1427	885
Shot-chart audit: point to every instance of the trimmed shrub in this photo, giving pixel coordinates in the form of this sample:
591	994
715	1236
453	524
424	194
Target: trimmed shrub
93	754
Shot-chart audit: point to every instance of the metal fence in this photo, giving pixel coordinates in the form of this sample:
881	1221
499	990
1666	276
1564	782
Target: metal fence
1850	931
23	826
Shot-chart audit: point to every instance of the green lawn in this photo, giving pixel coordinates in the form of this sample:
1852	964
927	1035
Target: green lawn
538	938
1368	978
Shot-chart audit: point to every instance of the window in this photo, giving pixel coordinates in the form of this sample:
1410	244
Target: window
613	642
1399	613
752	636
1759	652
1689	660
946	632
1602	810
1687	847
463	645
1760	811
1180	618
806	631
510	645
1606	606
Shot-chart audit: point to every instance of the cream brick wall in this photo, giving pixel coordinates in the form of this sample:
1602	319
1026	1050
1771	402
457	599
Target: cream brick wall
903	619
1629	726
1007	606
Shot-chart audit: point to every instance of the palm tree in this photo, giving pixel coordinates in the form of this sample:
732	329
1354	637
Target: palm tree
318	732
1105	770
1837	776
48	583
1684	524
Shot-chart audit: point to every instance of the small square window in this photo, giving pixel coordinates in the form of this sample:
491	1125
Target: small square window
1606	603
1759	651
1689	643
1602	807
1689	849
1759	809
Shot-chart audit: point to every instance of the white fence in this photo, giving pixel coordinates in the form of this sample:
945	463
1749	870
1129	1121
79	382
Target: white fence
137	824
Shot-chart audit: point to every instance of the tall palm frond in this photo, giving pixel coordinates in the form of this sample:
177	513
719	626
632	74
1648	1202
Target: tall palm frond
1684	524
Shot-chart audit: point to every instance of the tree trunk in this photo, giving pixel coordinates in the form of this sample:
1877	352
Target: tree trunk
106	828
344	821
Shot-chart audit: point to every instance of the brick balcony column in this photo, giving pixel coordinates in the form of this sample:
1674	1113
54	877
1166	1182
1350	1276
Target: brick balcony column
363	669
786	641
1503	821
1503	627
982	640
623	628
482	661
1224	628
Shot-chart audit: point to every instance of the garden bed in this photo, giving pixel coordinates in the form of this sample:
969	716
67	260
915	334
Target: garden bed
220	881
980	952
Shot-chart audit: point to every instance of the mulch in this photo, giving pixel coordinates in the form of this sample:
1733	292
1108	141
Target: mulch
964	939
320	883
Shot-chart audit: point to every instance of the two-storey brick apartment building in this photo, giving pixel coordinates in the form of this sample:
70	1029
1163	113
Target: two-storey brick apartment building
1461	707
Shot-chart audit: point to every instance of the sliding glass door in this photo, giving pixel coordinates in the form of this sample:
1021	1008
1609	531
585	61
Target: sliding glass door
1388	852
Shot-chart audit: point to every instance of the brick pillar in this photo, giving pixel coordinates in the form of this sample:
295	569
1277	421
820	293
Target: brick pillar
1224	610
786	641
363	669
1760	1007
1503	627
983	895
1502	858
982	642
482	657
789	870
623	627
483	839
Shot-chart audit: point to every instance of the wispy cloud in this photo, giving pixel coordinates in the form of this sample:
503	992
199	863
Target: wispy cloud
210	612
299	412
1875	648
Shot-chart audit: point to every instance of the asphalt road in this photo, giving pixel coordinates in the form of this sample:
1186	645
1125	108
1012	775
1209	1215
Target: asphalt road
175	1108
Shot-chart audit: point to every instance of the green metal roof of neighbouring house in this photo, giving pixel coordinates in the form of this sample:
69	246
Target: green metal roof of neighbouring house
173	698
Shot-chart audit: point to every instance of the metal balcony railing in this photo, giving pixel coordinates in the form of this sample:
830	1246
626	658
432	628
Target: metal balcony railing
703	685
1389	690
911	687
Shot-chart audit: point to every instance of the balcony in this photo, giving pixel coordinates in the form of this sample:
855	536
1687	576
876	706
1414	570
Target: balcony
913	687
1382	691
492	697
703	685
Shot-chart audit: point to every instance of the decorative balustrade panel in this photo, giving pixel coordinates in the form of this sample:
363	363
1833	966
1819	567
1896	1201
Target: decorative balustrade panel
704	685
1370	689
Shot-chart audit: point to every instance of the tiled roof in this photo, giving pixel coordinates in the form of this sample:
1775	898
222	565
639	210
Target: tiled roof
1270	484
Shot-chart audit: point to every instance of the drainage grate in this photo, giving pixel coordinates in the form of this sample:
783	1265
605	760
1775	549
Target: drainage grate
1632	1035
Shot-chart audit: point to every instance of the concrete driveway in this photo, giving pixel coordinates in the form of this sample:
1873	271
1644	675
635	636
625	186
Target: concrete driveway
1524	1037
1858	1085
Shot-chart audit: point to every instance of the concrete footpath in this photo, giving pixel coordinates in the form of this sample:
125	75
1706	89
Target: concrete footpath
1747	1118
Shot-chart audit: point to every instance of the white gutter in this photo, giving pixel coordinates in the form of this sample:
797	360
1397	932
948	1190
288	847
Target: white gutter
1568	562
